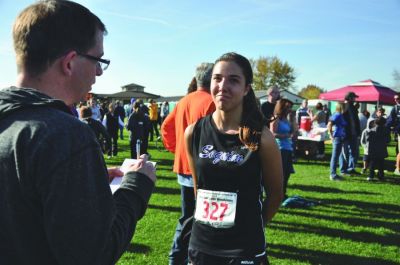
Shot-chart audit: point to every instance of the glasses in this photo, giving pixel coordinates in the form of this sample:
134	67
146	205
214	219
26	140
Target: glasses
101	63
396	98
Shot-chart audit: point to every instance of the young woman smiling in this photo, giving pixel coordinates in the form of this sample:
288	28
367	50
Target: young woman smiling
232	157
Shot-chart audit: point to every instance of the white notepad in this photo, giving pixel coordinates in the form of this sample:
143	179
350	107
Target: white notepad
116	182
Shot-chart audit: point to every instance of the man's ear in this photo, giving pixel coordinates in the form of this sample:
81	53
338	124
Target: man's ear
68	62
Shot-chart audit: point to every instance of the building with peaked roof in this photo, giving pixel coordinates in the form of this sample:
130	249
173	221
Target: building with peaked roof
262	96
129	91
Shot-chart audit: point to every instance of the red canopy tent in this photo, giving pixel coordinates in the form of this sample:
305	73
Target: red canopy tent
367	91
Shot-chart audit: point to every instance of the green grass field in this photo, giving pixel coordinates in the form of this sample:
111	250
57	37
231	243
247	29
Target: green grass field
357	222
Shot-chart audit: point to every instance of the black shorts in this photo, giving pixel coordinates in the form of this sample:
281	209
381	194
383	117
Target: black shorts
199	258
366	158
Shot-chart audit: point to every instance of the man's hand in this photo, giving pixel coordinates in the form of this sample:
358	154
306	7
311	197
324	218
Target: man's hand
145	167
114	172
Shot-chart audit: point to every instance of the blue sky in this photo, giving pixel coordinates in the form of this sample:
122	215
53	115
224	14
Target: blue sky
158	43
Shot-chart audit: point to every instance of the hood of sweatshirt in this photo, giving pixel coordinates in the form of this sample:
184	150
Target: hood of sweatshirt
13	99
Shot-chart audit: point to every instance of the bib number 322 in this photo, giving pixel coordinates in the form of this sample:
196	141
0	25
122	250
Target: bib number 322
216	208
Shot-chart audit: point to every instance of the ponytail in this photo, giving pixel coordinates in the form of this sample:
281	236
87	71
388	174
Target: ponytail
251	124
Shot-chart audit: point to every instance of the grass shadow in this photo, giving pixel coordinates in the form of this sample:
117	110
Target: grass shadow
168	191
327	189
367	221
363	237
138	248
165	208
280	251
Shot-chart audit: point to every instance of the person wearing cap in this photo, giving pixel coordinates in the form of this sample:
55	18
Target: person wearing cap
349	156
393	122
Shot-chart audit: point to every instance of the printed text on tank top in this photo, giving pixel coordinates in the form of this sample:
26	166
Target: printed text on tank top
208	151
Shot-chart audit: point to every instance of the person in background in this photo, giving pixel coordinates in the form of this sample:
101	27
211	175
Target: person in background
153	115
267	108
188	110
365	144
112	122
283	131
295	133
377	139
138	125
97	127
145	110
96	115
337	132
120	112
363	117
56	203
302	111
231	156
327	112
103	110
349	156
164	111
319	121
393	122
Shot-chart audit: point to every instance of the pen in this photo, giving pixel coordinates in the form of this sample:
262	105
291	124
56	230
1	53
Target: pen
138	142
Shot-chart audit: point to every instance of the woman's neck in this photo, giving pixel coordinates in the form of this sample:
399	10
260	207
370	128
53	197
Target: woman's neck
227	122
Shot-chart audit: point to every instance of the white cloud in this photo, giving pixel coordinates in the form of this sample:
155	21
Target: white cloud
138	18
290	42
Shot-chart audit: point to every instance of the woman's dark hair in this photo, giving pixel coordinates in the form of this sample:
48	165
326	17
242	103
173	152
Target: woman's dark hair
251	123
137	108
319	106
282	107
366	113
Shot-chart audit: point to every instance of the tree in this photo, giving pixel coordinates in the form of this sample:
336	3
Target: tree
270	71
311	92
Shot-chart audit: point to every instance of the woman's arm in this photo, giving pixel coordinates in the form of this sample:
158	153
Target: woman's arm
271	167
273	126
311	114
188	147
330	128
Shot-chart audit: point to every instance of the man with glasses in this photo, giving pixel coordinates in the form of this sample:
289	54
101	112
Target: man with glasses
393	122
55	201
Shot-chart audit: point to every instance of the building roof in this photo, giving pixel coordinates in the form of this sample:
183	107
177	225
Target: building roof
132	85
262	95
127	95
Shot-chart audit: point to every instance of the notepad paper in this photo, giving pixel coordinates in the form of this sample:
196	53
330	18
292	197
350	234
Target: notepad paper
116	182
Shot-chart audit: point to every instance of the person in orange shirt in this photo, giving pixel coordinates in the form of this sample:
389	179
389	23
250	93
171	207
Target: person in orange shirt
187	111
153	115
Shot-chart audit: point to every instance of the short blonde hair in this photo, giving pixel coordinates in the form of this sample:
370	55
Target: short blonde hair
339	107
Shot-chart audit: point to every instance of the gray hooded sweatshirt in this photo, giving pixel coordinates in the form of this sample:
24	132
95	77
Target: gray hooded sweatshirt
56	206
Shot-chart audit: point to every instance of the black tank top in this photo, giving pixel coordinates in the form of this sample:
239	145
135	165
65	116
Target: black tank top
224	164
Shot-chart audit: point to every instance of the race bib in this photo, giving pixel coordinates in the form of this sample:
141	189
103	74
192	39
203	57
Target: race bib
216	208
